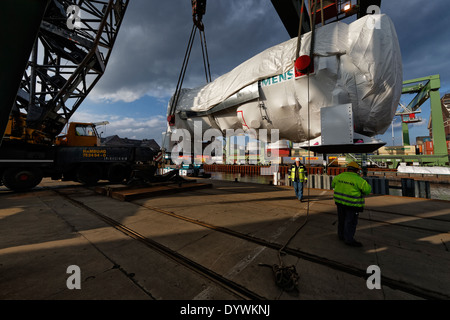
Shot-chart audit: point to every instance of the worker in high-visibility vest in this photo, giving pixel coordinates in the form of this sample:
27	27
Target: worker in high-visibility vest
298	176
349	191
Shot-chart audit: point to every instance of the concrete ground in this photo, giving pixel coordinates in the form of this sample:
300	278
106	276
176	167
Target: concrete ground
42	233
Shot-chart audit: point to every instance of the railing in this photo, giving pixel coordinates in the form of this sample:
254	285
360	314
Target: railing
283	169
413	186
267	170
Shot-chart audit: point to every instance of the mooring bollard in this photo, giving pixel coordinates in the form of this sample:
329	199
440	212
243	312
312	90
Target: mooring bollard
422	189
275	178
408	188
379	185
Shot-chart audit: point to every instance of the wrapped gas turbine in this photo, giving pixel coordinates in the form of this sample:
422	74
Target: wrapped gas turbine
358	64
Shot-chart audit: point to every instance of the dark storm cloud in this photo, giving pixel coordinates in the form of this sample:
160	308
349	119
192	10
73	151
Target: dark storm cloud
150	48
149	51
423	29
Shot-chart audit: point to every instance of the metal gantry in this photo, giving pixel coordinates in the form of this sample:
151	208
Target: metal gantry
69	57
425	89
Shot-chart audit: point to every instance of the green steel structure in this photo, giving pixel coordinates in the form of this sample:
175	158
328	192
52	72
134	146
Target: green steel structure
426	88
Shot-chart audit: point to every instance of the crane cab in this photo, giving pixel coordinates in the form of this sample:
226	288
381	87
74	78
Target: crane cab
80	135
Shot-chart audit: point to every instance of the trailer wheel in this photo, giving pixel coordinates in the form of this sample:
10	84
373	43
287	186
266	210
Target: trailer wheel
117	172
22	179
89	174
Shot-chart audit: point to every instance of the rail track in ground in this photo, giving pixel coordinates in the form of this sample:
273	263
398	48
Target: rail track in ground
371	219
392	283
241	291
234	288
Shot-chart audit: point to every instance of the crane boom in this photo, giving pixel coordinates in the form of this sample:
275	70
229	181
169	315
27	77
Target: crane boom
69	57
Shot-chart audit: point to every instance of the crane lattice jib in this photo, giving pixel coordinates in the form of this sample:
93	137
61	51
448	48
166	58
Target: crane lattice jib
69	57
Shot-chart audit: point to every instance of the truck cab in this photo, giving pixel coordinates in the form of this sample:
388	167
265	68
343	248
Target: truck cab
79	134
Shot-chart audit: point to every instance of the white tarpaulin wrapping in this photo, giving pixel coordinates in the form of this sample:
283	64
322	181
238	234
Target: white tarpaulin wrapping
424	170
271	62
358	63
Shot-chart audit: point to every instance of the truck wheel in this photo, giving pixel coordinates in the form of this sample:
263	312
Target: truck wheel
89	174
22	179
117	173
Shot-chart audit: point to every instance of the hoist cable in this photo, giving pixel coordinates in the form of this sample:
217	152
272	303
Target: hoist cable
313	36
178	88
205	56
198	24
183	71
300	26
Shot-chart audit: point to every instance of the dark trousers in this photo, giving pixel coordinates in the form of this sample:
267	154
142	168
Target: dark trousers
298	188
347	222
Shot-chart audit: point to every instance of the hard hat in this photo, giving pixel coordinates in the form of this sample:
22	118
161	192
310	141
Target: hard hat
353	164
297	159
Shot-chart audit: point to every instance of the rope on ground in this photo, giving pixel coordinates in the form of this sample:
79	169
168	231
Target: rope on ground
285	277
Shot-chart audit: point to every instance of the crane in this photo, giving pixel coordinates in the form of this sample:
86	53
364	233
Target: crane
63	49
70	55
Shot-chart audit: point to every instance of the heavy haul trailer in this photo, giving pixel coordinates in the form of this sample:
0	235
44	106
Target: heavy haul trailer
23	165
23	168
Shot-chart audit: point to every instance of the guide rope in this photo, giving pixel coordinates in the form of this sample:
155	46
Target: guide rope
286	277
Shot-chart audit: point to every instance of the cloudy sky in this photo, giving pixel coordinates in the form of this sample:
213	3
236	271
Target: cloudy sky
146	61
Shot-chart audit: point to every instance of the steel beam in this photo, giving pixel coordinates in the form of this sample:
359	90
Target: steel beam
437	124
19	26
289	13
428	88
364	5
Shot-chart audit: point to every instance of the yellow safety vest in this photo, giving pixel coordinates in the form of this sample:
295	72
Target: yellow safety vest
350	189
301	173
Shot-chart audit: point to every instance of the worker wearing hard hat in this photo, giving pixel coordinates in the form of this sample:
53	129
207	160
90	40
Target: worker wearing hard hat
349	191
298	176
